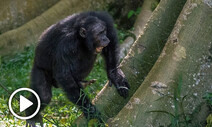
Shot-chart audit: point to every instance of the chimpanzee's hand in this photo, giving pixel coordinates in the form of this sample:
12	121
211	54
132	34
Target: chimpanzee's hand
117	77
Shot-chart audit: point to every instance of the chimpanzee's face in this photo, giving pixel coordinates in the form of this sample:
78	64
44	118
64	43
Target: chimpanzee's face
96	36
100	37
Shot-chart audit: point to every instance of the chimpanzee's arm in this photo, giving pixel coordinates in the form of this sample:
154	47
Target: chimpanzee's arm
110	53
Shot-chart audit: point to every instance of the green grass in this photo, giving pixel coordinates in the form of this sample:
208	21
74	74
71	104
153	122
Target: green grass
15	73
208	98
178	118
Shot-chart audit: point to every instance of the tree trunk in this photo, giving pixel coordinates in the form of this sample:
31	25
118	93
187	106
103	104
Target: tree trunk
172	92
139	25
15	40
15	13
141	57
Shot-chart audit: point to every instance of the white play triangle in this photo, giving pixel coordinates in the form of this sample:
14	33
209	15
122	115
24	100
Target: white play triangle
24	103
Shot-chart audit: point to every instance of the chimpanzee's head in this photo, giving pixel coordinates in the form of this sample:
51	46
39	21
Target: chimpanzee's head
95	33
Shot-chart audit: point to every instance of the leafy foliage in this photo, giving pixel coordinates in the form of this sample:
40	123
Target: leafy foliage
209	121
208	98
133	13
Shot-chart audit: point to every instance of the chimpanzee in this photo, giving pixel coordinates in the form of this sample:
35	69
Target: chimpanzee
65	55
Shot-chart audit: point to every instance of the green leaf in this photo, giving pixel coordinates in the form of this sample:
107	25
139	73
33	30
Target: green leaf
138	10
130	14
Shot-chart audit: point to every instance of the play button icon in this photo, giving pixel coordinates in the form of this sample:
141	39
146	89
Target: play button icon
24	103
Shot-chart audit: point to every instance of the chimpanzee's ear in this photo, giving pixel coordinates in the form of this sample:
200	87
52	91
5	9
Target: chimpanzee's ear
82	32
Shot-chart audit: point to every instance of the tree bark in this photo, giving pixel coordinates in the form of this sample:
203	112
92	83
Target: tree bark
15	40
141	57
15	13
174	87
139	25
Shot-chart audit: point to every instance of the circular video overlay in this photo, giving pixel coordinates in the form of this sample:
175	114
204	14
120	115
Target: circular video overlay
24	103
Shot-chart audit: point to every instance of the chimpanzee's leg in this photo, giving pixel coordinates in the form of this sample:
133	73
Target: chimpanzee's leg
77	96
41	85
64	77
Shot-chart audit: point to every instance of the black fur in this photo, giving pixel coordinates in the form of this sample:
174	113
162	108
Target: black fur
64	58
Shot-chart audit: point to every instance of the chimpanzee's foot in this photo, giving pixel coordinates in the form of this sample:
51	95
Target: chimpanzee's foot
93	113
